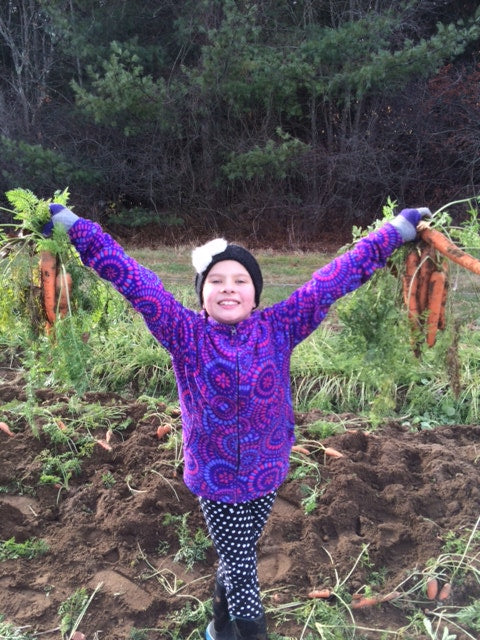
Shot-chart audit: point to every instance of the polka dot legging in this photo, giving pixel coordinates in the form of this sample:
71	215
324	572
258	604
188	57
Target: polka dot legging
235	530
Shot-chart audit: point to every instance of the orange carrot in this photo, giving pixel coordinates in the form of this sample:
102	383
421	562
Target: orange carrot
443	309
300	449
163	429
449	249
48	272
6	429
320	593
333	453
410	286
432	588
426	268
63	288
104	445
445	591
362	603
411	265
435	297
108	435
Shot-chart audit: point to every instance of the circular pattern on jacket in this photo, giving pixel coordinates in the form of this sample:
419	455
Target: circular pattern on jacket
209	447
221	475
221	408
250	459
277	438
336	271
148	304
266	479
264	413
183	333
220	377
149	277
110	268
262	335
191	464
264	382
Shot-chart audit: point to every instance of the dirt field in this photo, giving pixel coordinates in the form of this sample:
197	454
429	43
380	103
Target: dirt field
397	491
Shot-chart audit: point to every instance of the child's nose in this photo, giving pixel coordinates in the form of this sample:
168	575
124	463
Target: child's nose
228	286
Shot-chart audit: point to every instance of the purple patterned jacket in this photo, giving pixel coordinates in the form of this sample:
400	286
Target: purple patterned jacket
233	381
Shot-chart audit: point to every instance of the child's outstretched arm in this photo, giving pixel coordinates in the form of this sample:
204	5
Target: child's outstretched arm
139	285
305	309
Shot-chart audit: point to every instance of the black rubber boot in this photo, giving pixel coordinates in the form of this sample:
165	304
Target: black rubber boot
221	627
251	629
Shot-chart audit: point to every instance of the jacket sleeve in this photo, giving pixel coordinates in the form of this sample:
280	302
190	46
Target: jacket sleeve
304	310
162	313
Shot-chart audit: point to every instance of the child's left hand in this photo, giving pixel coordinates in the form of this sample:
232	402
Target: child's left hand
407	220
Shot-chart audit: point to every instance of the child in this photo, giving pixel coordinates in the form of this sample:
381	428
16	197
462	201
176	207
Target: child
232	364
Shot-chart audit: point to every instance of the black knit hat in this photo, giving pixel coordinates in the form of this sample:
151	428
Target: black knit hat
204	257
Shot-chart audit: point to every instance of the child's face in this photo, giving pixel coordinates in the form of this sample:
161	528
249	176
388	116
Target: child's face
228	292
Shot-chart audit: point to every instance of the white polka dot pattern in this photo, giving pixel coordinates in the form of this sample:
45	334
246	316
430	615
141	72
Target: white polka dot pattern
235	530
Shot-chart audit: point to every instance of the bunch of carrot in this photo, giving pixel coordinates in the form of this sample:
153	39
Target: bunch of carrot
55	287
435	592
425	283
425	288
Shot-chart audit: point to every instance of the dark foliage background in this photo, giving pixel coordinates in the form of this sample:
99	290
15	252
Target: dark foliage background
274	121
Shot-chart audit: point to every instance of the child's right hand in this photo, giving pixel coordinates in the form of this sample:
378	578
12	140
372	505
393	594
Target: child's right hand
59	215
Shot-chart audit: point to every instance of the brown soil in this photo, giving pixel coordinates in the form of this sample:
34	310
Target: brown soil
397	491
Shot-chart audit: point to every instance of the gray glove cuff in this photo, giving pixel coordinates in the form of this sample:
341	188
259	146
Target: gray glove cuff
65	217
405	228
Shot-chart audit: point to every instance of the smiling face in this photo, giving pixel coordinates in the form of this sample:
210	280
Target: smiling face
228	292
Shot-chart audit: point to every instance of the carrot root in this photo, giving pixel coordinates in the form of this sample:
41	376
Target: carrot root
443	308
48	274
320	593
104	445
300	449
410	285
426	268
445	591
448	249
6	429
432	588
363	603
332	453
163	429
435	298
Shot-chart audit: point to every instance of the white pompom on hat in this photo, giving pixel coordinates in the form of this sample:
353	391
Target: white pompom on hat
204	257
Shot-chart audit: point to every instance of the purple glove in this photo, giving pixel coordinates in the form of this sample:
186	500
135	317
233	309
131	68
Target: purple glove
60	215
407	220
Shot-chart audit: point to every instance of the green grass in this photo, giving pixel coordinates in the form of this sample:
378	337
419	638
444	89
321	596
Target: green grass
29	549
359	360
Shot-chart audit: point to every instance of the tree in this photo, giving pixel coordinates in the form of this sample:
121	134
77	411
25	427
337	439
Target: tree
272	113
27	58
